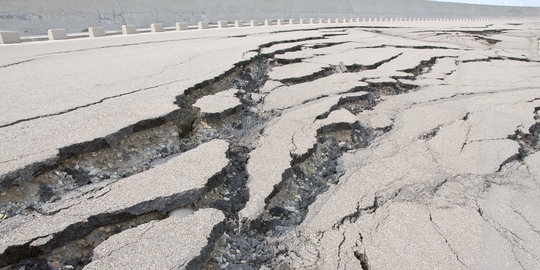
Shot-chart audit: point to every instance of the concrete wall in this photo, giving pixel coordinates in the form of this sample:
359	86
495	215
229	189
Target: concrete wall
36	16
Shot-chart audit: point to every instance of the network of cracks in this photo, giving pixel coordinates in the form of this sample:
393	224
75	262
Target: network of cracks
233	243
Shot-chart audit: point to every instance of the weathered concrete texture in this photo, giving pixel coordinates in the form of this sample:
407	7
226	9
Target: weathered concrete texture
7	37
166	244
296	70
177	182
203	25
156	27
218	103
181	26
286	97
96	31
57	34
128	29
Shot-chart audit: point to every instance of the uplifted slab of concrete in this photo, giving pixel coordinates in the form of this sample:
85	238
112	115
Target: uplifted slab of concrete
286	97
295	71
173	184
166	244
365	57
218	103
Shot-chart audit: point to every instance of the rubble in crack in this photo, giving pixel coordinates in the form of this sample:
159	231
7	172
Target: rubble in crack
130	156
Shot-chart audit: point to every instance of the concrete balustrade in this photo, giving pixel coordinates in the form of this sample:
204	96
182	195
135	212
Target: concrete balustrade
291	21
336	20
57	34
321	20
8	37
222	24
203	25
267	22
96	31
156	27
302	21
344	20
253	23
181	26
311	21
280	22
238	23
128	29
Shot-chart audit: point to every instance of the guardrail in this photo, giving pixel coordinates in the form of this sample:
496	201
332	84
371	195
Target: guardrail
10	37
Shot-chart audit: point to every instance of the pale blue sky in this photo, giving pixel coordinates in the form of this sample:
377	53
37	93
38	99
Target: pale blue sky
528	3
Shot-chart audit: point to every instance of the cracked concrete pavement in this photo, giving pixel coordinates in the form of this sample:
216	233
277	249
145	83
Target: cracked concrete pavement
442	170
177	182
166	244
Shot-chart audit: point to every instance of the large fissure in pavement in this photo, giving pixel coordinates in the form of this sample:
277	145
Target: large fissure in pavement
127	153
149	141
72	248
260	242
176	124
250	247
232	244
529	143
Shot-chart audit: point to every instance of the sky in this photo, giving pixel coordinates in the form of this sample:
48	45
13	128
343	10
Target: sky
525	3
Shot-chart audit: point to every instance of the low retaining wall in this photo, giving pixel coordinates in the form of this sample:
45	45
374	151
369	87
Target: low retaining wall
7	37
31	17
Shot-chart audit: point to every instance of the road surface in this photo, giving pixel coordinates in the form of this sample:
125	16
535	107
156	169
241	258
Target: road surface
410	145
